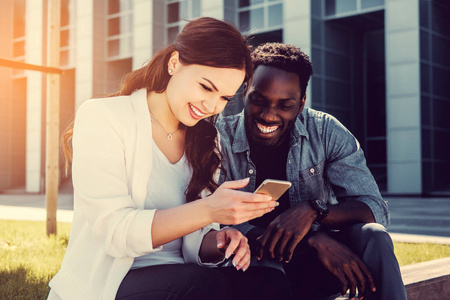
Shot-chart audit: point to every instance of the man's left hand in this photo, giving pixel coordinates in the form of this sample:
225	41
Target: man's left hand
345	265
286	231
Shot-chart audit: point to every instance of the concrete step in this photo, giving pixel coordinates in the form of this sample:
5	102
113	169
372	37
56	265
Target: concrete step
428	280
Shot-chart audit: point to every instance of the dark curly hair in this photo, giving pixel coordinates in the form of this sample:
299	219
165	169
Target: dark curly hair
286	57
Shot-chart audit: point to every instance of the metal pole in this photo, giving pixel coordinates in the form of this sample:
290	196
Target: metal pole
24	66
52	141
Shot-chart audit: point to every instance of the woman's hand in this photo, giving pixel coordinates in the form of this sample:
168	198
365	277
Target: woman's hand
232	241
226	242
225	206
229	206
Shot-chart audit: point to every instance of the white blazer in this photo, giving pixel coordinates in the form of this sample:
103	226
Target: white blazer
112	161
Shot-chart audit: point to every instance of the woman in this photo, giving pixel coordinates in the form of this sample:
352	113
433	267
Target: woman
143	161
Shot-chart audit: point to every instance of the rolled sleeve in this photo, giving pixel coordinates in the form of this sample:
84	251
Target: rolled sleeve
347	171
379	209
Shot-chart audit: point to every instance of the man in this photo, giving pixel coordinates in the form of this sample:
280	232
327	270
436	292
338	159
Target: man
325	246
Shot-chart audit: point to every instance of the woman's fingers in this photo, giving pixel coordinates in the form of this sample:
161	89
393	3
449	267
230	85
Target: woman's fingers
237	244
232	245
235	184
230	206
244	263
241	256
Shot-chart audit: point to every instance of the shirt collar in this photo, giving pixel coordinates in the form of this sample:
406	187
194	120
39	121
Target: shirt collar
240	143
299	129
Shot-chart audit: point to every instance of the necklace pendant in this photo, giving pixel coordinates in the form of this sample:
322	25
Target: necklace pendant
169	137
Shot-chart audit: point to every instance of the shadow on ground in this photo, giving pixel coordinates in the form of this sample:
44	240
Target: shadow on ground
15	284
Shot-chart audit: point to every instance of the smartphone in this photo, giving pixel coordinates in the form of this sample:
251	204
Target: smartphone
273	187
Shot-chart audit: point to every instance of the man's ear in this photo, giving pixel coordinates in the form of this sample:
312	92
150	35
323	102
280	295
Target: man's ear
246	88
302	104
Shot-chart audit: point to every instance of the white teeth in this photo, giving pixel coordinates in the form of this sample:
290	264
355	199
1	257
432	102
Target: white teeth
196	111
265	129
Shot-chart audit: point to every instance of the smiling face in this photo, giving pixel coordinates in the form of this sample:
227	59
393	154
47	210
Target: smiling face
197	92
271	105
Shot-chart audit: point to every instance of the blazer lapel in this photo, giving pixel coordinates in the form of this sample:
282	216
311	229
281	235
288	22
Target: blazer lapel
143	151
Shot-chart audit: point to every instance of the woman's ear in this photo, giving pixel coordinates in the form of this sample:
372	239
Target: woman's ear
174	61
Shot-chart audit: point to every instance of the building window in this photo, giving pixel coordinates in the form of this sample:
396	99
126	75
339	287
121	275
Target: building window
119	29
371	3
245	3
345	7
257	16
18	44
67	35
178	12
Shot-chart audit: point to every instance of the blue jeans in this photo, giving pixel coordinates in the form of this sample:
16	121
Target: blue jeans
194	282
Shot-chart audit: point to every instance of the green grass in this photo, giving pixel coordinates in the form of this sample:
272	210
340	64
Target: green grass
413	253
29	259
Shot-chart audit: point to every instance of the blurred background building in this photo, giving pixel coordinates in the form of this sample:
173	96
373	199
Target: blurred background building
382	67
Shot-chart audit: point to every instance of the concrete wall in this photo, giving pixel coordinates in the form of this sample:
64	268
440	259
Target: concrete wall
297	29
34	50
84	49
213	8
6	35
403	96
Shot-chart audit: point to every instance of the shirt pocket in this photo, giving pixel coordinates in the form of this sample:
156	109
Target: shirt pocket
312	182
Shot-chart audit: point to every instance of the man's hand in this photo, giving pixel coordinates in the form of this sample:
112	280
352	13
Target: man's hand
351	272
286	231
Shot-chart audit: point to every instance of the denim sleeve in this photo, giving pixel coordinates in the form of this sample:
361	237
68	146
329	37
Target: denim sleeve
347	172
244	228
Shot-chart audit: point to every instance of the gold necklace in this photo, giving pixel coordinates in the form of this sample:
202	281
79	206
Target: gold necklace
169	136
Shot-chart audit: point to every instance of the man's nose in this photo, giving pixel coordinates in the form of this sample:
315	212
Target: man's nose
269	114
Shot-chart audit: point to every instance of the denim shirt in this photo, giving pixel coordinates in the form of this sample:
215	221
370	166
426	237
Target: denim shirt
324	162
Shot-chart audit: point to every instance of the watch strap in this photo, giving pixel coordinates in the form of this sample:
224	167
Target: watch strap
320	208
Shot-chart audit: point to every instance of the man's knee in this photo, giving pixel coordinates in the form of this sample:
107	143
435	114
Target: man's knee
370	237
377	233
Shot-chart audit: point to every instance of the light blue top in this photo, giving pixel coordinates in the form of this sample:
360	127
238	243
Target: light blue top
324	159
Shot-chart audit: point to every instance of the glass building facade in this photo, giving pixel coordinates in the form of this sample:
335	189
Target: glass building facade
380	66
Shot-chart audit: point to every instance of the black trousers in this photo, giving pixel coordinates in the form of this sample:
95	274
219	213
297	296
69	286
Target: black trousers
310	280
194	282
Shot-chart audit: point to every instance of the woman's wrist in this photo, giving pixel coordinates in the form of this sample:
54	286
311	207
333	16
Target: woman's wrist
207	211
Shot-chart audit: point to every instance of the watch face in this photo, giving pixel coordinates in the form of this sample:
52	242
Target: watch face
321	205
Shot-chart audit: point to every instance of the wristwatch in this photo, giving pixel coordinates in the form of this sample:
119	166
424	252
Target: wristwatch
321	208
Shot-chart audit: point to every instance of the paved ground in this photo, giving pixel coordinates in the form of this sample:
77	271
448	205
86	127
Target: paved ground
413	219
32	207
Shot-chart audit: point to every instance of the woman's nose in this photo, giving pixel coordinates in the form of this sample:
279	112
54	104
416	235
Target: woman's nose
209	105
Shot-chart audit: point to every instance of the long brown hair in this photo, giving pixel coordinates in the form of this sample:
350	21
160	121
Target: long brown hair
204	41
